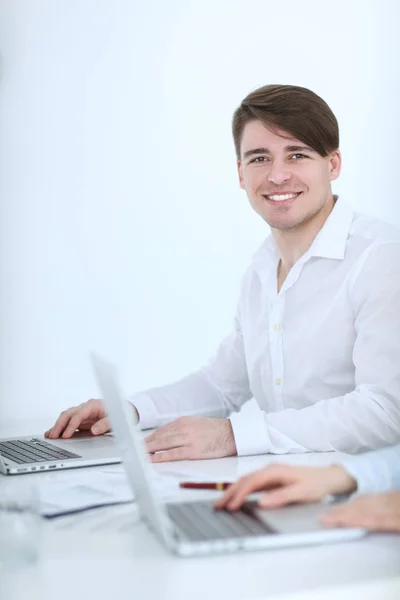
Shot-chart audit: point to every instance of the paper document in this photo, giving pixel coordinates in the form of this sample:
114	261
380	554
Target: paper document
65	493
86	490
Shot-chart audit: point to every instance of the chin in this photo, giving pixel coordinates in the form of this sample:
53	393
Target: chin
284	226
287	219
283	223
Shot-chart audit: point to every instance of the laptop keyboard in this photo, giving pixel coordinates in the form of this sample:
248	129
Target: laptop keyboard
200	521
33	451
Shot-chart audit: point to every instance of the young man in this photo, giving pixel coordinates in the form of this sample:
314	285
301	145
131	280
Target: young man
316	339
374	475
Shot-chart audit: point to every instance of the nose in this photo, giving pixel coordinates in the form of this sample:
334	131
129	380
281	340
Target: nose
278	173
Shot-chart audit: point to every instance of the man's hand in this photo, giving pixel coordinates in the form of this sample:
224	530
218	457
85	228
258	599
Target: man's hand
286	484
379	512
189	438
89	416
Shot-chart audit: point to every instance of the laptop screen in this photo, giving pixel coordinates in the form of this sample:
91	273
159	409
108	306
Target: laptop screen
130	443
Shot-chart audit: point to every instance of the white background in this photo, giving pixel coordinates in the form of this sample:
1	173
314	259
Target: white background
123	228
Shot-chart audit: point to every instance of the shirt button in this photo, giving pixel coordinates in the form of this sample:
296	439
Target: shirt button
278	381
277	327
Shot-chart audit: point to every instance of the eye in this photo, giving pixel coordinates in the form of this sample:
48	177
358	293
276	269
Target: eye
298	155
258	160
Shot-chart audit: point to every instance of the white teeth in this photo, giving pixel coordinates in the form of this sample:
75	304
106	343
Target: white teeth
281	197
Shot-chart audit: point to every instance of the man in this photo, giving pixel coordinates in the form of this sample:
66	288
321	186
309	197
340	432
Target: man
374	475
316	339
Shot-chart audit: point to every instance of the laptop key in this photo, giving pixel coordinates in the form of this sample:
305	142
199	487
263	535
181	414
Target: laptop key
9	456
32	451
31	456
256	527
200	521
238	523
36	449
16	452
237	527
241	523
61	451
222	526
212	528
185	524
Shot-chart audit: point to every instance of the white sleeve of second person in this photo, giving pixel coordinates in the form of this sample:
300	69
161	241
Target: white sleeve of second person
375	472
216	390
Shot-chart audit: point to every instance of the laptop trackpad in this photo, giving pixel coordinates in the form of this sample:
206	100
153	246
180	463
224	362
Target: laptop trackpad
94	444
83	442
293	519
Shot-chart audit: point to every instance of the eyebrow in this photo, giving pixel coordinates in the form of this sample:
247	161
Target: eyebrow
292	148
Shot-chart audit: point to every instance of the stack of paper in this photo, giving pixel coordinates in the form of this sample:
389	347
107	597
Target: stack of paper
70	492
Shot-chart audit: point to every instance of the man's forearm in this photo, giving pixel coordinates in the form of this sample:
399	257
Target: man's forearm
332	424
193	395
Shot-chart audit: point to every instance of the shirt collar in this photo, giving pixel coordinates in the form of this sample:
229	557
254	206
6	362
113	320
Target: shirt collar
330	242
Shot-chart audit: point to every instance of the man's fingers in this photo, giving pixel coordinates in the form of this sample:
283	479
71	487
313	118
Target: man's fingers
170	455
76	419
101	426
61	422
165	442
58	426
165	430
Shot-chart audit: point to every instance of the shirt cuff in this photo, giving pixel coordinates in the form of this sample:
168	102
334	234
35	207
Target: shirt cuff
370	479
147	411
251	433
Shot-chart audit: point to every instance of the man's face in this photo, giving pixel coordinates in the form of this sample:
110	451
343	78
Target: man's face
286	182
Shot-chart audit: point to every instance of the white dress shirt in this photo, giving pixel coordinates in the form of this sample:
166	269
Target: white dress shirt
321	357
375	472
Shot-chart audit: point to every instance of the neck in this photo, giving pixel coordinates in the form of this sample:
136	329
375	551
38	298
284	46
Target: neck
293	243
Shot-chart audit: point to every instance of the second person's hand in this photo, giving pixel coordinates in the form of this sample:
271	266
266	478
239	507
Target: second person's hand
286	484
376	512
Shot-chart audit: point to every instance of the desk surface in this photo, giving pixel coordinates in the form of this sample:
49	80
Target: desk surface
108	551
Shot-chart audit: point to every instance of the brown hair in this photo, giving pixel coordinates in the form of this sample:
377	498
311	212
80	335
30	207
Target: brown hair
296	110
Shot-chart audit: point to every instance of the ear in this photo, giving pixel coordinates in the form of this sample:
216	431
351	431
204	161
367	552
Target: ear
335	165
240	173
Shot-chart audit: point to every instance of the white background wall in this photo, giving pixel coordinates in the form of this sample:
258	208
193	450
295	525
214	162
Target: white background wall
123	228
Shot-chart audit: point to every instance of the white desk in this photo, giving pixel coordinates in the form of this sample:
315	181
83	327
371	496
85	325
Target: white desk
102	553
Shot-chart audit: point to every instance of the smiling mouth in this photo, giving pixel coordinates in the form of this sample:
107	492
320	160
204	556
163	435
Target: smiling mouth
280	198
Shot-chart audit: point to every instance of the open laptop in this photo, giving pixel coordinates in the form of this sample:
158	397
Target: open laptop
37	454
193	528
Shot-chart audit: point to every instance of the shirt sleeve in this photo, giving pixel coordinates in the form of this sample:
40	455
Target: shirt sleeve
375	472
369	416
216	390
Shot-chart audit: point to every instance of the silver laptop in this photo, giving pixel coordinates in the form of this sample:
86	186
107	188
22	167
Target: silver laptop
193	528
37	454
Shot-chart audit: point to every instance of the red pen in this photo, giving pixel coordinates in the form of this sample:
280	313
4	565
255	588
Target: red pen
191	485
